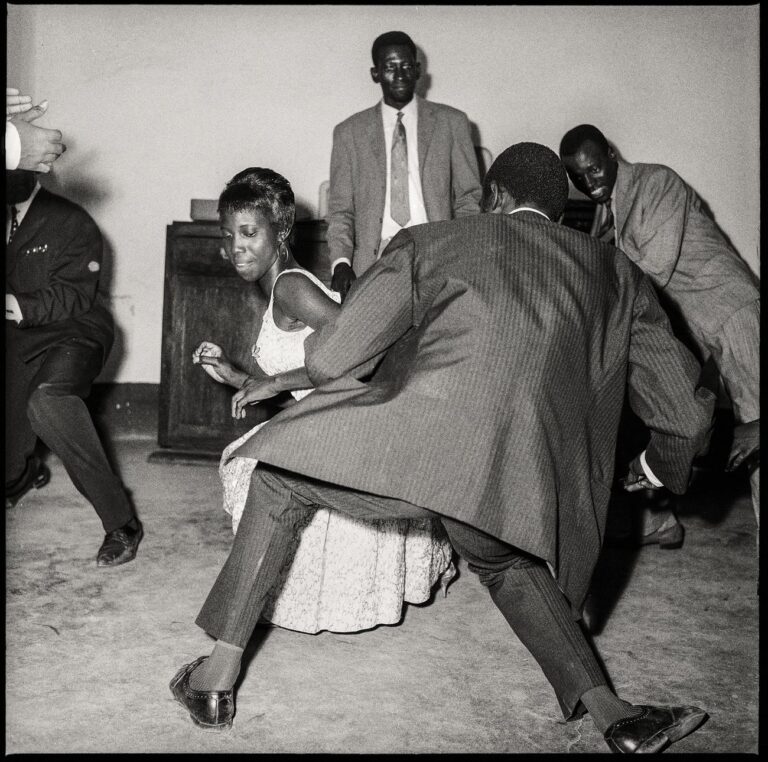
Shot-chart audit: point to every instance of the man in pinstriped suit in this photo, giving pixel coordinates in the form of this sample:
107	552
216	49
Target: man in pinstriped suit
501	346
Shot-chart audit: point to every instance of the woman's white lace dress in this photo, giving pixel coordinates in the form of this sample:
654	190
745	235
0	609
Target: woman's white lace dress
346	574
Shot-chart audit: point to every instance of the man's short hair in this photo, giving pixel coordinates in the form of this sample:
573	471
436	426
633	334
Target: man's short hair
391	38
531	173
575	138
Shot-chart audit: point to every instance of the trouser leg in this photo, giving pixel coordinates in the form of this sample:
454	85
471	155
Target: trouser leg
20	439
736	350
59	416
527	595
277	505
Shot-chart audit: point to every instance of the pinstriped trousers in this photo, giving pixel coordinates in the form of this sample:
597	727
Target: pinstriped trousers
521	586
735	348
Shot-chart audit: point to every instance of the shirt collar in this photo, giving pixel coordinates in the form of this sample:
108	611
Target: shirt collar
410	110
23	206
528	209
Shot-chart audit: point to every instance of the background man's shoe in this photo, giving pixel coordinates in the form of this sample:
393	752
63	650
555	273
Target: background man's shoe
38	479
210	710
670	538
120	546
654	729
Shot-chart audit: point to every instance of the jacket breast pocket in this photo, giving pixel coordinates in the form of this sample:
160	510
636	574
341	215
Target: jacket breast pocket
33	267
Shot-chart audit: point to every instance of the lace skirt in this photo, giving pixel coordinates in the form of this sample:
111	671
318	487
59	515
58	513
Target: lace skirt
345	574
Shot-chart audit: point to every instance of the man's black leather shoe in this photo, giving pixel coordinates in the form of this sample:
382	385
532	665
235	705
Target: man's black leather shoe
119	546
210	710
39	478
654	729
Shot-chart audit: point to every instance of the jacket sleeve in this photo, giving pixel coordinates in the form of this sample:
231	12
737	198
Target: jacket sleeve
341	198
377	312
73	278
664	392
465	177
658	238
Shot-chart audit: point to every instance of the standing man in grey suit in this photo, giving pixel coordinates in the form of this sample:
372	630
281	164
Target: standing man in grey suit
403	162
709	292
502	345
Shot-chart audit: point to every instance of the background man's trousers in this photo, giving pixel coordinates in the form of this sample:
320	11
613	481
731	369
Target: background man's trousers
280	502
44	398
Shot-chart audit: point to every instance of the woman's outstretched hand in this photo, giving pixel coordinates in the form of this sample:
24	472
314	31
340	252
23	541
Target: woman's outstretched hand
254	390
216	364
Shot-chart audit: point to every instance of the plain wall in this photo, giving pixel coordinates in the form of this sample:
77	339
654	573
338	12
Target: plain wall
162	104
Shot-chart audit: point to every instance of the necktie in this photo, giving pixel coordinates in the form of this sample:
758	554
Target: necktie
14	223
604	227
400	208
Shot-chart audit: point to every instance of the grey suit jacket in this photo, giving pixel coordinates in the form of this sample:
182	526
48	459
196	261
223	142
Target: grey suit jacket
662	226
507	346
447	163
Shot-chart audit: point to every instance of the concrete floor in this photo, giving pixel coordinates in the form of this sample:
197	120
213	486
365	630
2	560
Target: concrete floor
90	652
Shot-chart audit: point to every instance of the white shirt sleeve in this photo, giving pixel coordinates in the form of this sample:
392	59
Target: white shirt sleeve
12	309
12	146
340	259
651	476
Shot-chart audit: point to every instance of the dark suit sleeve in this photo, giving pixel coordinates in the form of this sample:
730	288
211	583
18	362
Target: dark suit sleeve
377	312
465	177
73	277
664	392
341	199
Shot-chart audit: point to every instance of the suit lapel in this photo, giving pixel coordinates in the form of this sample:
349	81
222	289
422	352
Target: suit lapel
620	194
375	130
424	131
33	220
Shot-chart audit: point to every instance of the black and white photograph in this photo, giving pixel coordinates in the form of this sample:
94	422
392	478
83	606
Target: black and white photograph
382	379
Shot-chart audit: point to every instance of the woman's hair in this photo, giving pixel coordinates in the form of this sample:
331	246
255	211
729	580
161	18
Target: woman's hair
262	189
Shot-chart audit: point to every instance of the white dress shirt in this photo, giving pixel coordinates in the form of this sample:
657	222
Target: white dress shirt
12	146
415	195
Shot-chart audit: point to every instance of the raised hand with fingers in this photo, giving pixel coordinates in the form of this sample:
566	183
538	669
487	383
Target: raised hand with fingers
40	147
15	103
217	365
745	449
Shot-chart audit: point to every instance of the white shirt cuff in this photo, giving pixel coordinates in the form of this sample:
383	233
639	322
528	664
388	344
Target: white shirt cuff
340	259
12	146
12	309
651	476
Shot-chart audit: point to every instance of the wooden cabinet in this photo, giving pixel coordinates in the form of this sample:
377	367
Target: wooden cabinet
204	299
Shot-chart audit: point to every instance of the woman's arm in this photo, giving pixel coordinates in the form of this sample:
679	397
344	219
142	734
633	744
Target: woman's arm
216	364
300	299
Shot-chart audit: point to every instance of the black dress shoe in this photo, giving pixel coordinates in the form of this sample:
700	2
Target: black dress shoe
120	546
210	710
39	478
654	729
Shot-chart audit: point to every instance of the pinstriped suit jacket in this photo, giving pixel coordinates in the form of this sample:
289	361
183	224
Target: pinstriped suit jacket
447	164
661	226
507	346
